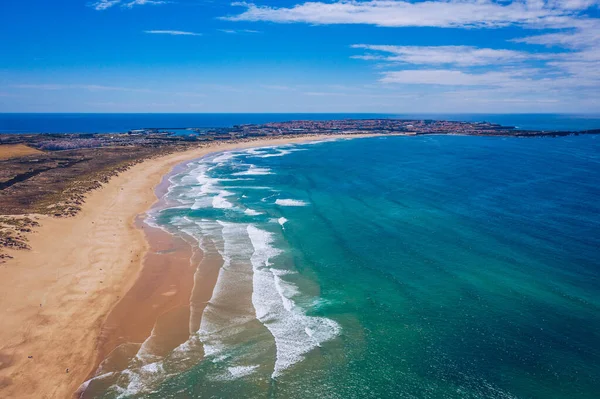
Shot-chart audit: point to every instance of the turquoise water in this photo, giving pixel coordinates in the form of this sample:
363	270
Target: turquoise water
398	267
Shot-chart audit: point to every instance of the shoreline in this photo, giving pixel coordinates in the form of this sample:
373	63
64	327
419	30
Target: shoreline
56	299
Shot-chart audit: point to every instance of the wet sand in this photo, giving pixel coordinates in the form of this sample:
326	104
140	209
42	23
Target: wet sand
97	280
160	297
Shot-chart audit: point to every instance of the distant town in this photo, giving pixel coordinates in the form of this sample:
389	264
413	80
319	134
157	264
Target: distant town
164	135
389	126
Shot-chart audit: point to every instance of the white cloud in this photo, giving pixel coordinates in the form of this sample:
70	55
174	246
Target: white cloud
437	77
582	63
435	55
583	33
574	4
576	79
172	32
143	2
236	31
106	4
447	77
433	13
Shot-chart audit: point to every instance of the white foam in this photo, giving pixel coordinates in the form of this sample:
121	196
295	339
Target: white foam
191	187
143	379
281	153
246	272
152	368
261	242
255	151
285	291
208	234
150	220
225	315
266	198
145	354
204	202
241	371
251	188
203	191
199	230
252	212
276	310
290	202
224	157
200	189
321	141
220	202
207	184
254	171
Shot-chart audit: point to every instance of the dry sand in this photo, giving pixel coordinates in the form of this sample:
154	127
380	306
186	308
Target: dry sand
56	298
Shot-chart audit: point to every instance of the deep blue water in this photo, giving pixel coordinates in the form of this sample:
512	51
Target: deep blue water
110	123
396	267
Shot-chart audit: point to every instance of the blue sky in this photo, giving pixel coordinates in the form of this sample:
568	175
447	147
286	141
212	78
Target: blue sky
386	56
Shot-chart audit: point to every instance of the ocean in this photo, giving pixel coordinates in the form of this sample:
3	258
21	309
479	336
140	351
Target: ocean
389	267
115	123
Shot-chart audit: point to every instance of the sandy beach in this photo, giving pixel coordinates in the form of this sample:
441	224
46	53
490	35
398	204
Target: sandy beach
63	304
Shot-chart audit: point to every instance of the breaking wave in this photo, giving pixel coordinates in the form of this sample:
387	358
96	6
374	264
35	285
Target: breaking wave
290	202
294	332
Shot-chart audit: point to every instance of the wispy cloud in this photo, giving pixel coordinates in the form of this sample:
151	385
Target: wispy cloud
106	4
435	13
236	31
570	27
172	32
584	33
558	78
133	3
447	77
456	55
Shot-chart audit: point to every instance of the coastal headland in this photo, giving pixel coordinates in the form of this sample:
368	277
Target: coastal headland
57	297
